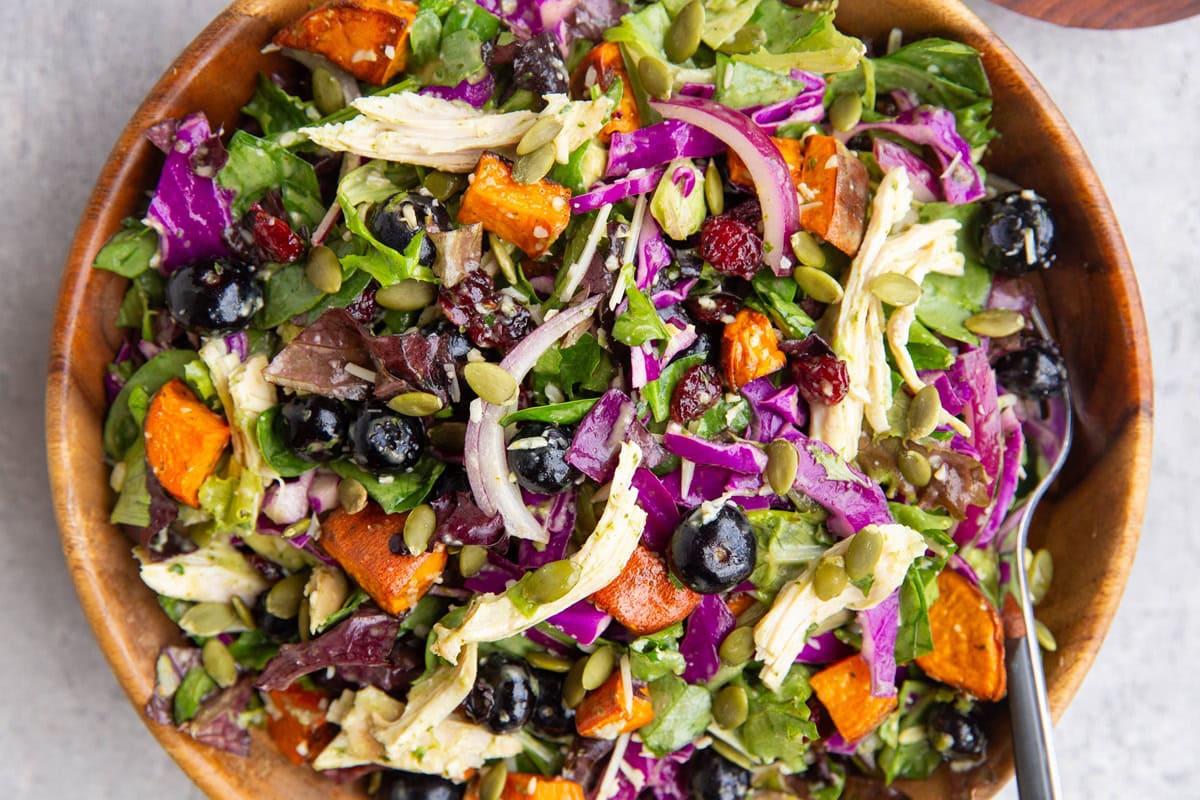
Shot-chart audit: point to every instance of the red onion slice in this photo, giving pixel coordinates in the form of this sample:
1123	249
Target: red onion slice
485	455
773	179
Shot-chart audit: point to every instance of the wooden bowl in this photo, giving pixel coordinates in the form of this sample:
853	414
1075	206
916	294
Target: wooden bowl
1091	524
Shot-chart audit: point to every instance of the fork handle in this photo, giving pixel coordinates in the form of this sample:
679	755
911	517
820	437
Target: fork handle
1033	747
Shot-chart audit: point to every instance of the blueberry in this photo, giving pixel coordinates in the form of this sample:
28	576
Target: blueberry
714	777
1035	371
538	67
314	427
414	786
503	698
551	718
397	221
713	549
956	735
383	440
214	296
1016	233
537	455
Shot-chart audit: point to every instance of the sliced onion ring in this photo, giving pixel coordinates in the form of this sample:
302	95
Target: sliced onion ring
773	179
486	458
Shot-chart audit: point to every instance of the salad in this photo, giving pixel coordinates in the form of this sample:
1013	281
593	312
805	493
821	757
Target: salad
564	399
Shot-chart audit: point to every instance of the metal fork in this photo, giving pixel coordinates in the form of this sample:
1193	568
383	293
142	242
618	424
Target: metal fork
1032	727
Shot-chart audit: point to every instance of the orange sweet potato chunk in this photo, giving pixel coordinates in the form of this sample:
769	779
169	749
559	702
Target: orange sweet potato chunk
296	723
845	691
603	66
531	216
359	543
526	786
833	193
643	597
367	38
968	640
750	348
184	441
602	714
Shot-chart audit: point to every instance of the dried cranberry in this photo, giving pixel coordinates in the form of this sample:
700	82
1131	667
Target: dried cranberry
274	237
538	66
713	309
749	212
731	246
363	308
491	319
696	392
821	379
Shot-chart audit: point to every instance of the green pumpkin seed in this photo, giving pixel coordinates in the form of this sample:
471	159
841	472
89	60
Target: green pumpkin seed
808	252
731	753
532	167
209	619
471	559
863	553
409	295
374	782
820	286
327	92
714	189
915	468
923	413
599	668
286	596
502	250
323	269
747	40
448	436
352	495
540	134
1041	573
738	646
846	112
655	77
896	289
491	785
550	582
730	707
416	404
548	662
782	463
304	622
491	382
995	323
219	663
573	691
243	611
683	37
444	185
1045	637
418	528
830	577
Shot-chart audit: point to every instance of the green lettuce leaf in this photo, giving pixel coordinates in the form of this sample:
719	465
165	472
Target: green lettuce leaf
778	727
640	322
256	166
276	453
130	251
946	301
657	393
681	713
121	429
277	111
787	542
398	492
653	656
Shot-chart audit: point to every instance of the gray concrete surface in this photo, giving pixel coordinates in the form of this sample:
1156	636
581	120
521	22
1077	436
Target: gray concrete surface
73	71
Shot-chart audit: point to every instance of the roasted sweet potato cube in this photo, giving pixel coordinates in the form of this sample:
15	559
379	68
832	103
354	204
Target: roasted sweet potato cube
603	714
296	722
531	216
968	640
833	193
526	786
602	66
845	691
367	38
750	348
359	543
643	597
184	441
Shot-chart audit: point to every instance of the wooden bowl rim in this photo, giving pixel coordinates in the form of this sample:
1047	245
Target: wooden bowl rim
203	764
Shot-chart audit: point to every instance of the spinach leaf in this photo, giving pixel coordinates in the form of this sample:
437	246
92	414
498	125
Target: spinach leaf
468	15
926	350
288	293
585	365
277	111
252	649
779	727
121	430
914	637
129	252
946	301
727	415
275	452
787	542
143	301
657	654
640	323
190	694
681	713
133	504
776	299
905	755
256	166
398	492
557	413
657	393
